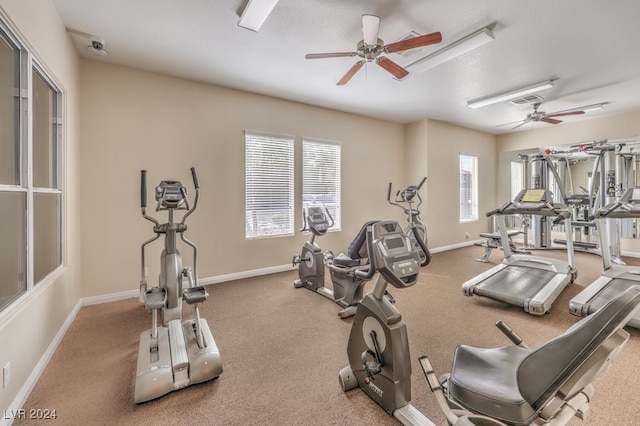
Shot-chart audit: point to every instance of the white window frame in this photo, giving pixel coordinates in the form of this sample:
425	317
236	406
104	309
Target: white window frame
268	186
321	177
517	178
468	171
24	159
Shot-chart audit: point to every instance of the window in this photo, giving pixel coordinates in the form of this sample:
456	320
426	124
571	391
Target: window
321	177
268	185
47	196
517	178
30	171
468	188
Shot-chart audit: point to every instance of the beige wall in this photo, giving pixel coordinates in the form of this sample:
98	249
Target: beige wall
432	150
31	324
135	120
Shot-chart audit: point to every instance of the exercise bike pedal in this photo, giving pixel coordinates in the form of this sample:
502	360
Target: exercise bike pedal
155	298
193	295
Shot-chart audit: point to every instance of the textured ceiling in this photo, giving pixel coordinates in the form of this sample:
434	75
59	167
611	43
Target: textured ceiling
589	47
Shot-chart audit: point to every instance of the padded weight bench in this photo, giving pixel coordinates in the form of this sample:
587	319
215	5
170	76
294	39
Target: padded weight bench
493	241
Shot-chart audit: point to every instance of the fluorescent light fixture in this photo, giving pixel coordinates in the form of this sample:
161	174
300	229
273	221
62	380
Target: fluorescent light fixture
451	51
593	107
506	96
256	12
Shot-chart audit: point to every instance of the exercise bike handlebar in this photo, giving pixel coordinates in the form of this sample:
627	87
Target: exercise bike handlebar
423	246
367	274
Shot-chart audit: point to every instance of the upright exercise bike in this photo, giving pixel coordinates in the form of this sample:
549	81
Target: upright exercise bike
176	353
415	229
378	347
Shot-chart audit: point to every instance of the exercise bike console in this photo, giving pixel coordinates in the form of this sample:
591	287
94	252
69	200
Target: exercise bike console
394	257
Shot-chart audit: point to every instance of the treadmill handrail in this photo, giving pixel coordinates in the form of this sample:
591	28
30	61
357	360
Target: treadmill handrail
542	209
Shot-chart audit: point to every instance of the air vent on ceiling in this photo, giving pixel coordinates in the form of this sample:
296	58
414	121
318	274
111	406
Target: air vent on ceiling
409	52
525	100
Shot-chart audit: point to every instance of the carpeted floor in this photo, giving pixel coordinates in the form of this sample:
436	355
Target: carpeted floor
282	349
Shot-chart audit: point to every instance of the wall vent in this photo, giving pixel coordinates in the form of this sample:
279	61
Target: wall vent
529	99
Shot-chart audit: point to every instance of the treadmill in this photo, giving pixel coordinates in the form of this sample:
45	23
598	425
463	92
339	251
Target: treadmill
529	281
615	278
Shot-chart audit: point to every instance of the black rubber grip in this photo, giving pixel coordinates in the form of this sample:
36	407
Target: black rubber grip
422	182
143	188
493	212
389	193
195	178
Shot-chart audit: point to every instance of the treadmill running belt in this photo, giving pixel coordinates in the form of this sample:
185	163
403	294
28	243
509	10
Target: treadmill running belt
515	284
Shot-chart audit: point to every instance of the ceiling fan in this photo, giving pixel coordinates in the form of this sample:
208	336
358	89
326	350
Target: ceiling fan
370	49
537	116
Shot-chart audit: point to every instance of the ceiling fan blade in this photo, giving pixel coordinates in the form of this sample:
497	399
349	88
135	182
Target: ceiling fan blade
354	69
370	27
551	120
522	124
329	55
562	114
414	42
510	124
391	67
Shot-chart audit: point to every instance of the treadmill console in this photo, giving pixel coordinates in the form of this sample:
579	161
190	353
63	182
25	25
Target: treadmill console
170	194
317	221
395	258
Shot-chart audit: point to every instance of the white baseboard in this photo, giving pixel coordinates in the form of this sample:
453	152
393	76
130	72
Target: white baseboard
114	297
33	378
246	274
455	246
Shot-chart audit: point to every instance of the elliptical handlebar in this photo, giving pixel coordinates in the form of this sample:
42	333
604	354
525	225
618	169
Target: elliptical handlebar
143	189
196	185
406	195
424	179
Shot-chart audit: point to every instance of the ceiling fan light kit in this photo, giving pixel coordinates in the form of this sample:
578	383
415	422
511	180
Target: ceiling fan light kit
452	51
506	96
256	13
370	49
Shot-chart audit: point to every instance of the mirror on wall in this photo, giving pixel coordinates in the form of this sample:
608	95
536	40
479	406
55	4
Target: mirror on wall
584	175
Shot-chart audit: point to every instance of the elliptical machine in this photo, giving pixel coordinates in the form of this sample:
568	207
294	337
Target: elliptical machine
175	354
415	229
378	348
347	288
